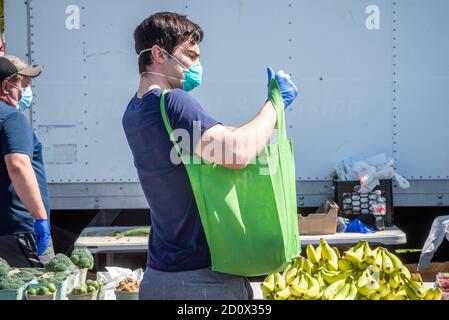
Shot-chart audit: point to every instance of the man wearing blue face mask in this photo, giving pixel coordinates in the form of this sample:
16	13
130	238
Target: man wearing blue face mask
179	262
25	239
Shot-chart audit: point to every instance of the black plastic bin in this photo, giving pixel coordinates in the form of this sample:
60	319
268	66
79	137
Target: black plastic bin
343	189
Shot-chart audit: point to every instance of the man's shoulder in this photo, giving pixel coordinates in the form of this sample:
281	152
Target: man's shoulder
7	112
179	100
180	95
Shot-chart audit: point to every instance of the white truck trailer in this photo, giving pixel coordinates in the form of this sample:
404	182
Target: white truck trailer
373	77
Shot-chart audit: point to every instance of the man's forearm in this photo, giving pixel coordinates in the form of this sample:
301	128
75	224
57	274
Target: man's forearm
254	135
26	186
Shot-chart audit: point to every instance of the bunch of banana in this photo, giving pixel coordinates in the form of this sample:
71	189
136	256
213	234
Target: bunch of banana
395	280
361	273
267	287
304	264
343	289
308	288
330	277
415	290
329	255
355	255
314	255
434	294
390	263
369	284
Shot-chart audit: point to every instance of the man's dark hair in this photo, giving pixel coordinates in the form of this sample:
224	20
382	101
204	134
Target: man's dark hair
167	30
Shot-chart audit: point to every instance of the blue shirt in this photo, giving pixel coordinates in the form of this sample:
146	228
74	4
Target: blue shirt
177	241
16	136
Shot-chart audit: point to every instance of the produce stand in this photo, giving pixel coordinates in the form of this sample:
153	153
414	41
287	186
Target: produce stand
101	240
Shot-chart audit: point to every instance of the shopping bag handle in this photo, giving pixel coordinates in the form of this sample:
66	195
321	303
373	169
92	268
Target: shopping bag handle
278	104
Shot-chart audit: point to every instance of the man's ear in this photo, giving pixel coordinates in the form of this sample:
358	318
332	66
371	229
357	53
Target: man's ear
158	55
4	87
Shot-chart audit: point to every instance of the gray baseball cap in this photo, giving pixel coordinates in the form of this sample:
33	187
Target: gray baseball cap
10	65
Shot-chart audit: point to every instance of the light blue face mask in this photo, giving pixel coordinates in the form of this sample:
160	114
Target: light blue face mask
192	76
26	100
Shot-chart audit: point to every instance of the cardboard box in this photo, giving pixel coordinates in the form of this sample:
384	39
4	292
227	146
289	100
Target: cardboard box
324	221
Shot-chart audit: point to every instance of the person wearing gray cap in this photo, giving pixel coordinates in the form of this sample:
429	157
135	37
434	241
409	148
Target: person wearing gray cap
25	239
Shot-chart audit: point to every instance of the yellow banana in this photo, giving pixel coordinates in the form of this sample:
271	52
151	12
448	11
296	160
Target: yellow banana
308	266
363	279
279	282
302	287
313	255
344	265
384	289
268	296
291	275
268	283
360	250
389	296
282	295
320	280
286	270
429	294
362	265
353	292
397	263
333	289
303	284
295	281
356	247
405	273
387	264
372	282
418	289
368	255
352	257
366	291
336	252
298	262
314	291
343	293
437	294
394	281
411	294
379	259
400	294
332	277
329	255
374	296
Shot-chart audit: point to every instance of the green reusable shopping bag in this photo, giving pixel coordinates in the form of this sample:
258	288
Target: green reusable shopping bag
249	216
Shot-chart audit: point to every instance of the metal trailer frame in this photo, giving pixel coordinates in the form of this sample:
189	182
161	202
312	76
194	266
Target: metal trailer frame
372	74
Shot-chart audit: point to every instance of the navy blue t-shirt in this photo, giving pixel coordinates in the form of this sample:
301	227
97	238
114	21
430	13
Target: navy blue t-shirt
177	241
16	136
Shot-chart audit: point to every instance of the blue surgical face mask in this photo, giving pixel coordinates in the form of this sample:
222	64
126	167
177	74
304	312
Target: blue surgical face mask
192	76
26	100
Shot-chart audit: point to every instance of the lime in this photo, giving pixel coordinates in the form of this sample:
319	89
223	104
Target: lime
91	289
51	287
43	291
32	292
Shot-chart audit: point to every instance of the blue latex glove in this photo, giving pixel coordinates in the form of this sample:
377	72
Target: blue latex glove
289	90
41	235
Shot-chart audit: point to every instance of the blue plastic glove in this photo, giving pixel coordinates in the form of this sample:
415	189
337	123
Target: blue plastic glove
41	235
289	90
